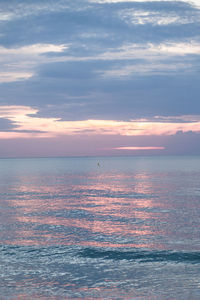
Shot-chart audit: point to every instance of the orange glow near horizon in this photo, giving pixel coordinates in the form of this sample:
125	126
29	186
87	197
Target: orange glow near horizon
139	148
28	125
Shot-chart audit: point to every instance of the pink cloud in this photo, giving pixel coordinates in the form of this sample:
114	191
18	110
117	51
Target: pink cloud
139	148
28	125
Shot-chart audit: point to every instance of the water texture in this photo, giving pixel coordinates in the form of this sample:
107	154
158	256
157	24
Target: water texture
100	228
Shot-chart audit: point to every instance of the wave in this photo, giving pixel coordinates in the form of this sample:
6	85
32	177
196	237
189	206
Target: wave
142	256
68	252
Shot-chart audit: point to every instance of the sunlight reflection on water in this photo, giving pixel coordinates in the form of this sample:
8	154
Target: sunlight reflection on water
147	205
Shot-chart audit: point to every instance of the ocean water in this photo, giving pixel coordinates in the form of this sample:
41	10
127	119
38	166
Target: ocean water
126	228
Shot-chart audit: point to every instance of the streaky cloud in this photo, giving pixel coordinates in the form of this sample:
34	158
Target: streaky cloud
140	148
29	125
191	2
157	18
19	63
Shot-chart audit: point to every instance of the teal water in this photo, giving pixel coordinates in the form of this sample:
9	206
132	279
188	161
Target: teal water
128	228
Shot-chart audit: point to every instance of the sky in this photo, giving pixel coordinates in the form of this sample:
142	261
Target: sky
99	77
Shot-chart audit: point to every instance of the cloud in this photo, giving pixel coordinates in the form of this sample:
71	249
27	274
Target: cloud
178	119
83	60
147	69
191	2
157	18
5	16
140	148
21	9
137	51
29	125
6	125
126	1
152	51
14	76
88	31
152	58
20	63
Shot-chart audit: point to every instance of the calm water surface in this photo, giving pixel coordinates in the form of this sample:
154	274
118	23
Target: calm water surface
127	229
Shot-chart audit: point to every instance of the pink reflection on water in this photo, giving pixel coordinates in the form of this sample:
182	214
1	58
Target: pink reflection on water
120	205
99	292
39	297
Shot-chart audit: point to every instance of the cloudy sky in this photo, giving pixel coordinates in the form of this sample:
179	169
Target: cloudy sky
99	77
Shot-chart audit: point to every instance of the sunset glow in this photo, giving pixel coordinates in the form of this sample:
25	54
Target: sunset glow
99	77
140	148
25	119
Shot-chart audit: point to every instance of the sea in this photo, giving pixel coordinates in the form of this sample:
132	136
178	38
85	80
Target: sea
100	228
